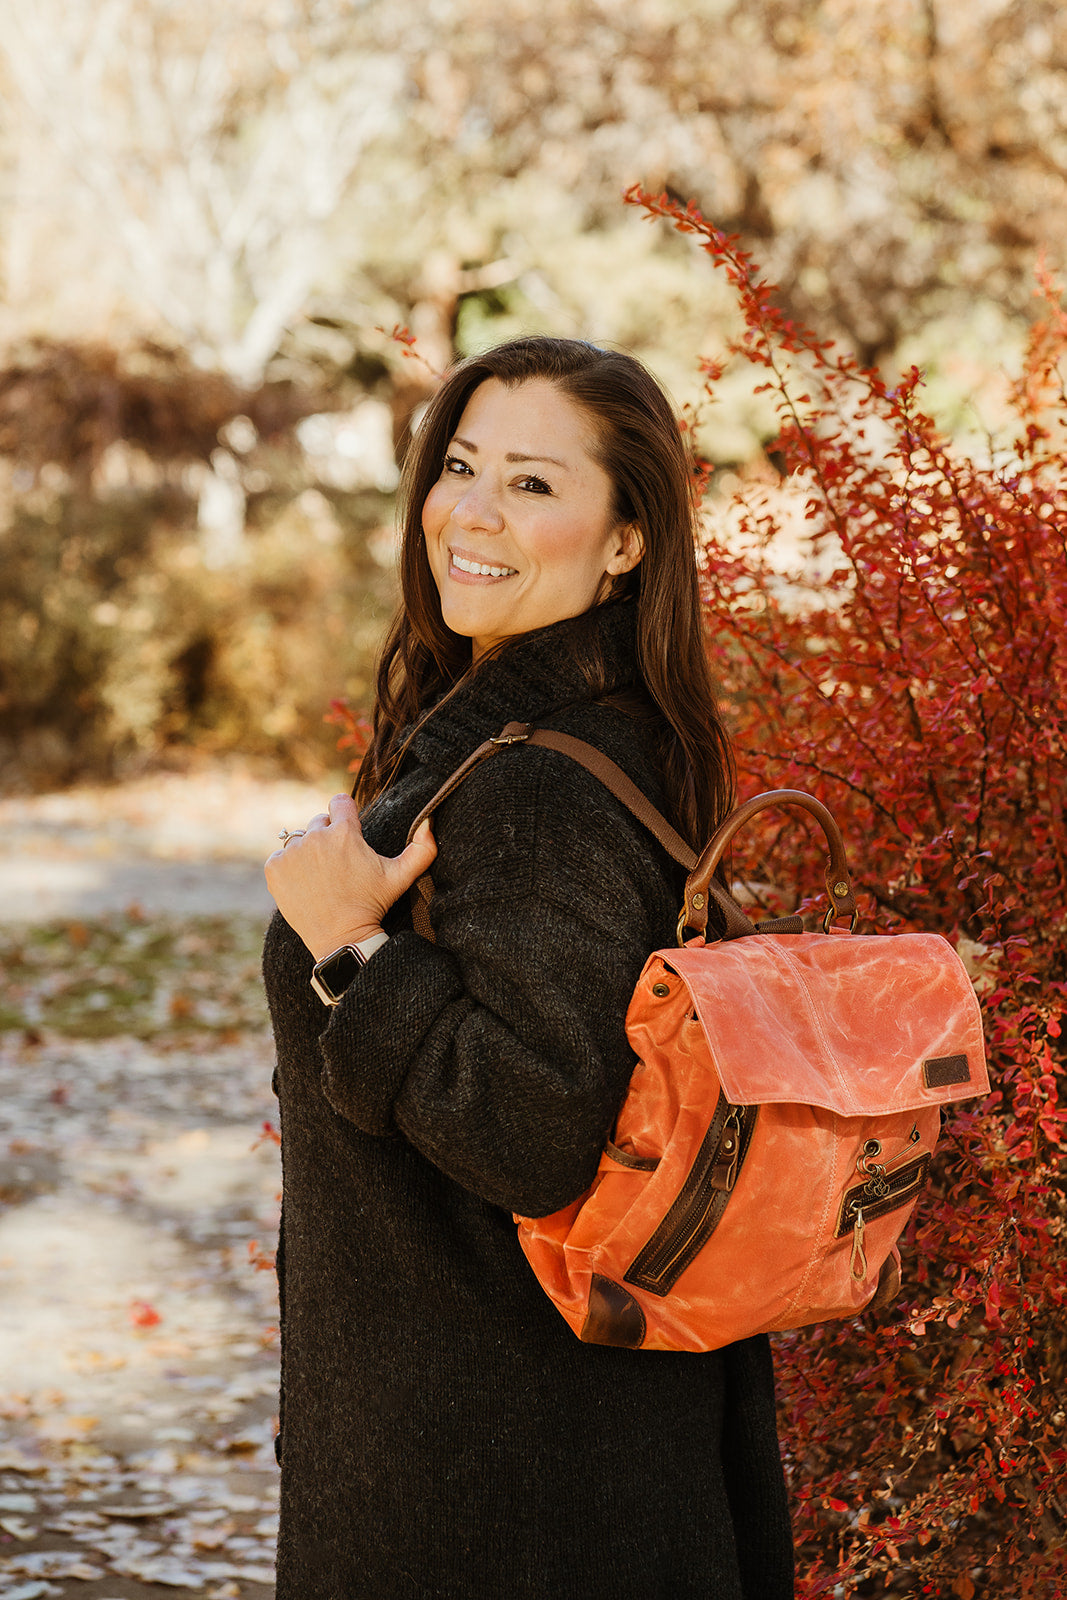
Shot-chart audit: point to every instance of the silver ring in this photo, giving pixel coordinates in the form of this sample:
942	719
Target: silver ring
291	833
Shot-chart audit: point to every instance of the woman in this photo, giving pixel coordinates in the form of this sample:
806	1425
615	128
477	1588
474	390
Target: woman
443	1432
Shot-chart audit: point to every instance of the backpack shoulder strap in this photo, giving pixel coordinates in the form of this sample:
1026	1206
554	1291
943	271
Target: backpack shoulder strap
623	788
609	774
593	760
638	804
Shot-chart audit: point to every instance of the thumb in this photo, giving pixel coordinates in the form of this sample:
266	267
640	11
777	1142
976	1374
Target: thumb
417	857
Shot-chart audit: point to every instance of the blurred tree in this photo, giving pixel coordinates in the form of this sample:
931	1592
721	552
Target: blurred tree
213	144
894	163
456	166
266	189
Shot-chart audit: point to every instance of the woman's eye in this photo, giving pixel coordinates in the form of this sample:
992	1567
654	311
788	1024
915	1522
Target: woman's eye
536	485
456	465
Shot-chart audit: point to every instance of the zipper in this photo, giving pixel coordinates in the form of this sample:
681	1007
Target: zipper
886	1186
876	1197
700	1203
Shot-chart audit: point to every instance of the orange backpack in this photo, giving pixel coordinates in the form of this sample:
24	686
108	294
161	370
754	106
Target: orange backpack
782	1116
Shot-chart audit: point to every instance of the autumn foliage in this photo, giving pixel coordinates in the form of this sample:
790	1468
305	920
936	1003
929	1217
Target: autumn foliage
889	623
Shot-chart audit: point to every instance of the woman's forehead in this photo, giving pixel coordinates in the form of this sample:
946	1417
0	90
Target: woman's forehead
528	421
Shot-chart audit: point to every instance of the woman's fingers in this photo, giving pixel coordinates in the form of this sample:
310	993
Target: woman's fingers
332	888
415	859
343	809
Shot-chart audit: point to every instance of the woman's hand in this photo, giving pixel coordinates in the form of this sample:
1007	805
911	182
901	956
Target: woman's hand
332	888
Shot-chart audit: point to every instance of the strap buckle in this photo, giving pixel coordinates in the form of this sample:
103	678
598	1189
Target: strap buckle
514	733
832	915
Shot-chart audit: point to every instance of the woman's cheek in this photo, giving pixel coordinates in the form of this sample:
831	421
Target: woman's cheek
436	509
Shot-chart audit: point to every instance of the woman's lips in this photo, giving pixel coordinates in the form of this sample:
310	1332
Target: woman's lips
468	569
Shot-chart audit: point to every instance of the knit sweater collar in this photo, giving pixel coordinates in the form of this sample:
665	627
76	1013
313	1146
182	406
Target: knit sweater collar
527	682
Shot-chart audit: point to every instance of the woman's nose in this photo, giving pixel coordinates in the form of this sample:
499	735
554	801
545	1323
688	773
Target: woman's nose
478	507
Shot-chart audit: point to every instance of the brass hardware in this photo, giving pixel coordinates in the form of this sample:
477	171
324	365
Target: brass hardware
876	1172
698	901
884	1190
857	1265
841	889
661	990
724	1173
877	1187
830	917
866	1163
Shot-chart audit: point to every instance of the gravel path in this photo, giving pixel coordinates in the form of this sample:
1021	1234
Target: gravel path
184	843
138	1193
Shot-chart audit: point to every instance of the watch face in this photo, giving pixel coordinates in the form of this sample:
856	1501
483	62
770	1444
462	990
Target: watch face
336	972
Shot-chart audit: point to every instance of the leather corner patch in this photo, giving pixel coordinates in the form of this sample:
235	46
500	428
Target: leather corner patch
940	1071
614	1316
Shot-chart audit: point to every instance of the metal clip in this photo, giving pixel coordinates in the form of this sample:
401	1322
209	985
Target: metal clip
866	1162
724	1172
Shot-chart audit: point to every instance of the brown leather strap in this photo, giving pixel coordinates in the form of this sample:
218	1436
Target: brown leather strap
513	733
622	787
700	884
638	803
613	778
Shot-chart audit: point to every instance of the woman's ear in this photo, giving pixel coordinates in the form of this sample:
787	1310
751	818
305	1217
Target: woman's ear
630	549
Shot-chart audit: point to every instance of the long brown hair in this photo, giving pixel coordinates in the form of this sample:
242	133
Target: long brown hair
639	444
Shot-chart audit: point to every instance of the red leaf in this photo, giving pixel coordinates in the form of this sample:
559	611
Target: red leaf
143	1315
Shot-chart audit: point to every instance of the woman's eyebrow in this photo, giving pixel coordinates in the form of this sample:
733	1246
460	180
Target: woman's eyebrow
512	455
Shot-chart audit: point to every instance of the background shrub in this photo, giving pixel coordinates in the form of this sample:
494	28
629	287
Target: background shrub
131	632
890	627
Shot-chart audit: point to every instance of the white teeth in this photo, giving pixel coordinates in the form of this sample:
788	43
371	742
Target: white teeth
480	570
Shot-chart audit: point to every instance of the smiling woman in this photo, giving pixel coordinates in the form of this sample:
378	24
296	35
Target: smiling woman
443	1432
520	527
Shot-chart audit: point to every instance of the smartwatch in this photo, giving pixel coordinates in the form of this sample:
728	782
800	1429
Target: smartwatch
332	975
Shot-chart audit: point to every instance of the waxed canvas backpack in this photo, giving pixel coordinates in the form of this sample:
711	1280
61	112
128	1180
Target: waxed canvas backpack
782	1116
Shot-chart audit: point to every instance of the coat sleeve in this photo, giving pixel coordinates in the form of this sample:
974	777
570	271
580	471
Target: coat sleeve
500	1052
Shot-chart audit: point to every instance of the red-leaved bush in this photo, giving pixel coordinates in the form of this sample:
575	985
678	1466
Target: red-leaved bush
913	676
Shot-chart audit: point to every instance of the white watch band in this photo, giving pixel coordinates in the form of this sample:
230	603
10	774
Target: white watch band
367	947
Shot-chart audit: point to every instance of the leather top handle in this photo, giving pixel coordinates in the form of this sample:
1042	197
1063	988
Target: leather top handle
700	881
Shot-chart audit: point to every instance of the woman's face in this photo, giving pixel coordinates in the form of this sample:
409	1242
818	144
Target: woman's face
519	527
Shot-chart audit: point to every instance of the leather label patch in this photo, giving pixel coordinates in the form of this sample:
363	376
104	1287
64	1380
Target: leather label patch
939	1071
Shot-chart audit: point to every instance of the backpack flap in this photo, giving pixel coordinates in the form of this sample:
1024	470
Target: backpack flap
858	1025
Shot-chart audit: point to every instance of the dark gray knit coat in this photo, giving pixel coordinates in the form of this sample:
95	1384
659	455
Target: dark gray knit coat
443	1431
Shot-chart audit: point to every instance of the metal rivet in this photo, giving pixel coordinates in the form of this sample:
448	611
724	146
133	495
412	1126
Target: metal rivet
698	901
841	888
660	990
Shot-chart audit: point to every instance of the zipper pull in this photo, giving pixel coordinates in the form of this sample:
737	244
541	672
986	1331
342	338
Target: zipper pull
724	1171
858	1264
